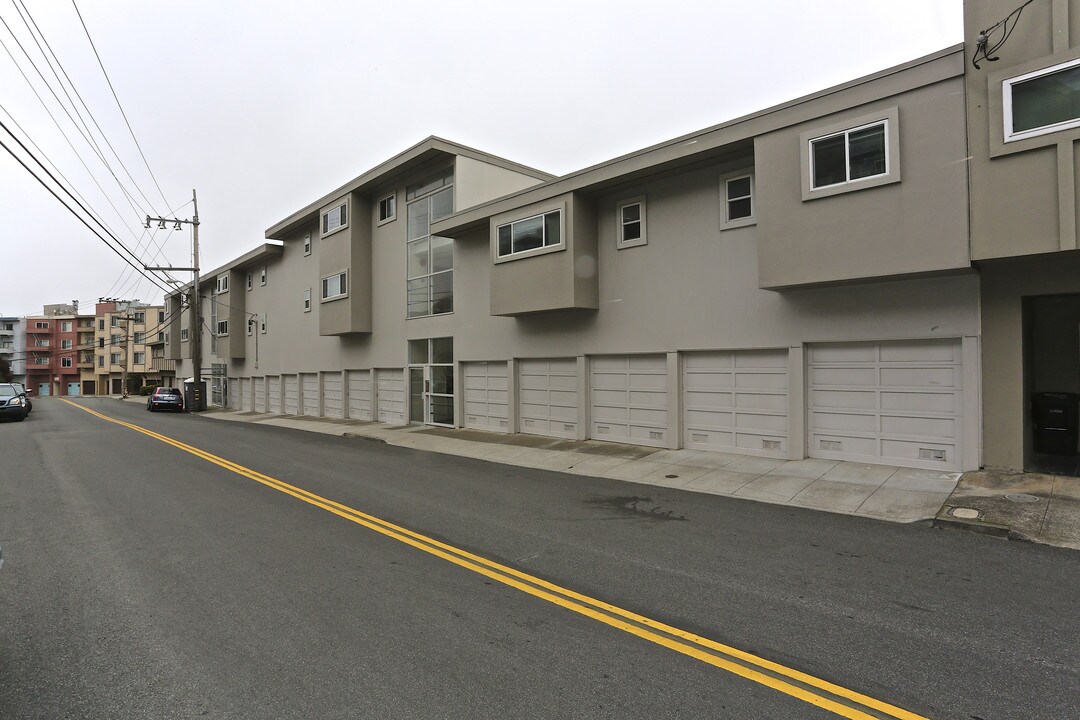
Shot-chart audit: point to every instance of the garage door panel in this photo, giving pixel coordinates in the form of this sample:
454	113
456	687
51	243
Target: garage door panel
698	400
760	381
292	395
273	393
761	359
848	445
359	394
245	394
646	435
857	399
605	364
926	402
844	376
605	413
640	381
647	416
260	394
609	381
761	401
707	362
709	420
708	380
651	398
916	451
845	421
485	398
332	395
390	383
753	443
548	397
757	421
855	353
920	351
629	398
920	377
919	427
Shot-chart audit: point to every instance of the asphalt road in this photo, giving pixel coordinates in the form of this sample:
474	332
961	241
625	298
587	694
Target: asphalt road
142	581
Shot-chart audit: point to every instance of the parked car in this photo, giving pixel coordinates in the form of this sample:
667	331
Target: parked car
24	391
165	398
13	403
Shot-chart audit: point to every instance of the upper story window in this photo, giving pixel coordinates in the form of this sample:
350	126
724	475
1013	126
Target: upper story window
101	361
65	362
101	324
335	219
139	358
387	209
262	275
532	233
335	286
114	321
222	328
737	200
307	242
114	358
140	338
161	316
65	326
41	360
65	344
41	325
1042	102
307	300
849	155
250	281
184	334
429	281
222	283
41	342
140	317
630	218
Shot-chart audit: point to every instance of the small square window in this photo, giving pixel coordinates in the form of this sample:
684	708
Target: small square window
307	300
630	220
65	362
387	209
335	219
737	201
307	243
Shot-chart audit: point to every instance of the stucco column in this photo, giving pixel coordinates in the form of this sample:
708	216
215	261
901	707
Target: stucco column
796	370
674	401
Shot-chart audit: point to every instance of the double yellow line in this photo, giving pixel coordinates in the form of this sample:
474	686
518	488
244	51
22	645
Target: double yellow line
813	690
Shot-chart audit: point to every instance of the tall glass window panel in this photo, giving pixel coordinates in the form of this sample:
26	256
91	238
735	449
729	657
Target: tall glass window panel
1048	100
430	264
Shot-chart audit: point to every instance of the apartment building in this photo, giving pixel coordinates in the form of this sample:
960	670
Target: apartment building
12	346
51	351
122	342
794	283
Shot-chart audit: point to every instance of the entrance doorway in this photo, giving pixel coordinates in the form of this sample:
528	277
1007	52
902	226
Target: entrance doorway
1051	383
431	381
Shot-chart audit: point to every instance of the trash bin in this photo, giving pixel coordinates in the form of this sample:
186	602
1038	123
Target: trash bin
1056	422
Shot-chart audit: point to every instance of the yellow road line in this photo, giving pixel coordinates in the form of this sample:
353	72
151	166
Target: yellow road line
571	600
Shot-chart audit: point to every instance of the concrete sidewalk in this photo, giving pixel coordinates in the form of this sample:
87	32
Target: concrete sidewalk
882	492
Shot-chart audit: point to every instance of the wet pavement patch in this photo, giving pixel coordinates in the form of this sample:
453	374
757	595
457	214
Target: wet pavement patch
631	507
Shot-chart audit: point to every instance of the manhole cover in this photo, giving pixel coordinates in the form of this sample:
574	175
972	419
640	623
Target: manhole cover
964	513
1022	498
671	476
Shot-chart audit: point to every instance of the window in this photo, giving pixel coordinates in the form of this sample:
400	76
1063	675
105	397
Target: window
335	219
630	219
140	358
41	360
183	334
41	342
114	321
1042	102
249	281
65	326
262	275
307	243
101	342
334	287
65	344
140	318
307	300
114	339
41	325
101	361
101	324
387	209
737	201
65	362
139	338
429	283
114	358
262	324
222	284
161	337
533	233
849	155
161	316
250	326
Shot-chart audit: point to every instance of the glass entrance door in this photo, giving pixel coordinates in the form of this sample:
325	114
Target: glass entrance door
431	381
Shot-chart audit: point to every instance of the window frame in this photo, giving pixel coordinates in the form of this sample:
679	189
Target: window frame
250	281
183	334
66	362
222	284
65	326
1007	105
135	358
726	221
67	344
307	244
324	218
250	326
114	358
341	295
379	219
307	299
620	224
533	252
891	119
223	328
41	325
262	324
262	276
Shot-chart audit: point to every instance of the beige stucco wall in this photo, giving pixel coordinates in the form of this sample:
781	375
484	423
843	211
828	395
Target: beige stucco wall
478	181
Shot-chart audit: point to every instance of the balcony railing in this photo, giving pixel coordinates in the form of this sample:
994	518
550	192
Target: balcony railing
160	364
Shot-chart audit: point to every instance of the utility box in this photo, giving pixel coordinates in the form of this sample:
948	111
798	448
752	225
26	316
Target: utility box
195	396
1056	422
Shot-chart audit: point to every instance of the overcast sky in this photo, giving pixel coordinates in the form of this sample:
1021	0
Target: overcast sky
263	107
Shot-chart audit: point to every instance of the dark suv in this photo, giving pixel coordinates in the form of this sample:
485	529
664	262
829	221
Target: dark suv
14	405
165	398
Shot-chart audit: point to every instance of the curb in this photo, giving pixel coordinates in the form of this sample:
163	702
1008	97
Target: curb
981	528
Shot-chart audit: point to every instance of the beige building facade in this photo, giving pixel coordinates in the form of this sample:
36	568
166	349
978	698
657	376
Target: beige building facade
123	334
795	283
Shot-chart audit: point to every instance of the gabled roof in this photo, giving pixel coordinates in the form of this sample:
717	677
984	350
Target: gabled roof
424	151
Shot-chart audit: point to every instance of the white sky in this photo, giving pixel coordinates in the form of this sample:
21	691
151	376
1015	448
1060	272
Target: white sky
263	107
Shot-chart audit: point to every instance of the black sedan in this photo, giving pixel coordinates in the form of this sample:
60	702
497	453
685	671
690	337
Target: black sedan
13	403
164	398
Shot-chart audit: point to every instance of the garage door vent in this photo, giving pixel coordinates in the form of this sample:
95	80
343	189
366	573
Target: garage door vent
831	445
770	444
931	454
654	435
699	437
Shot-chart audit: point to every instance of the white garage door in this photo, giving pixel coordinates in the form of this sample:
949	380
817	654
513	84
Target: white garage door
260	394
245	394
897	403
233	391
629	399
309	386
486	396
391	395
292	395
548	393
331	393
360	394
273	393
736	401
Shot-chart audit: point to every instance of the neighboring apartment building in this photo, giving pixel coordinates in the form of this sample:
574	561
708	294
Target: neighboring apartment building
777	285
10	329
123	336
51	352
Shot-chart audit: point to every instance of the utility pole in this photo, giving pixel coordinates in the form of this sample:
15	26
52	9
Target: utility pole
195	298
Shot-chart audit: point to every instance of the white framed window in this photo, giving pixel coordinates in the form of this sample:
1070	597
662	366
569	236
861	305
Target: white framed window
223	283
335	219
262	275
114	358
335	286
737	200
307	300
183	334
41	325
307	243
65	362
41	342
41	360
65	326
114	339
114	321
140	318
222	328
250	326
849	155
262	324
630	222
429	278
530	235
387	209
140	338
65	344
1041	102
250	281
140	358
